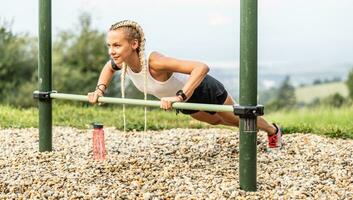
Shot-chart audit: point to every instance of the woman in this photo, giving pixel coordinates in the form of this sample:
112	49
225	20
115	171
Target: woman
169	79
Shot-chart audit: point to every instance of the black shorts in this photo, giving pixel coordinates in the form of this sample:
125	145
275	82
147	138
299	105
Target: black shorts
210	91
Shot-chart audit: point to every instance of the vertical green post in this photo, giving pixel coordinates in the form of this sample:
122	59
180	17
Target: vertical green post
44	75
248	93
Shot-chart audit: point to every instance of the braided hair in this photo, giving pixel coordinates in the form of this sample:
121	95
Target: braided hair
133	31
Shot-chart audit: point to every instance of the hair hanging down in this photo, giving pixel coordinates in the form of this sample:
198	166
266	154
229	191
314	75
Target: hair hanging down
133	31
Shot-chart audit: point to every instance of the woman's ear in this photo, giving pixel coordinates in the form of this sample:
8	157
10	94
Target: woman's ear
135	44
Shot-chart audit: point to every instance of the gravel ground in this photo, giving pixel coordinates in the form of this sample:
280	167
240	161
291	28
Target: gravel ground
170	164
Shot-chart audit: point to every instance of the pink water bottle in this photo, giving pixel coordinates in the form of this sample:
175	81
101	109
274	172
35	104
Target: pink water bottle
98	142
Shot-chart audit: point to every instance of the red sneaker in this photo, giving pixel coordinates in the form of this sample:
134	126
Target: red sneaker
275	140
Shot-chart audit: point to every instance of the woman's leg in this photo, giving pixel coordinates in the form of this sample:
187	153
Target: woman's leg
208	118
230	118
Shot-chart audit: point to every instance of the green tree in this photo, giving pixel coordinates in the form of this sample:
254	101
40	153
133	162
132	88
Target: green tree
285	98
349	83
18	64
79	57
336	100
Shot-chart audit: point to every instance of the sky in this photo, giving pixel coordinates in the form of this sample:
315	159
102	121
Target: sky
303	34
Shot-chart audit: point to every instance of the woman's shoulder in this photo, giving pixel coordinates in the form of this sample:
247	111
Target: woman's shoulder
155	56
155	59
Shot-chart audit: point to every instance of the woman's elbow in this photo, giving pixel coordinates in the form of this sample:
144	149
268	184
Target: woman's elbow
205	68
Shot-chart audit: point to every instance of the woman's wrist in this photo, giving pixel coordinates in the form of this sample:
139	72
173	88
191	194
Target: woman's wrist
100	89
100	92
180	97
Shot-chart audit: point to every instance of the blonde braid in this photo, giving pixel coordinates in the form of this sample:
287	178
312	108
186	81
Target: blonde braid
122	86
130	28
144	68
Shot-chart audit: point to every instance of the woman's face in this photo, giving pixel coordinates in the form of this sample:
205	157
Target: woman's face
119	47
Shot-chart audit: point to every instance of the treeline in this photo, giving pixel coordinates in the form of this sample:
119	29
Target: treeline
283	97
324	81
78	56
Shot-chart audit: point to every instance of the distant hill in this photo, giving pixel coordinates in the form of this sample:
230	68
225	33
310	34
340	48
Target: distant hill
273	76
307	94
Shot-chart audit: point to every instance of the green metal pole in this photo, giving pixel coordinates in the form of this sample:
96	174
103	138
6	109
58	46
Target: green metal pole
248	93
44	75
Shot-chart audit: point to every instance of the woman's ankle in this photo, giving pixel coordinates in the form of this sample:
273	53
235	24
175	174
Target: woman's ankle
274	129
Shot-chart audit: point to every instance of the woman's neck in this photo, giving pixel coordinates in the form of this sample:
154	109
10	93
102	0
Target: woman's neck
134	63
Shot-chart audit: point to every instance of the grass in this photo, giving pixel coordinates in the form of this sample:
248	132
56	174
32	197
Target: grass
333	122
81	115
322	120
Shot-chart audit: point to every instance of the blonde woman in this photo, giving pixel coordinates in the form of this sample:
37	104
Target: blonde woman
169	79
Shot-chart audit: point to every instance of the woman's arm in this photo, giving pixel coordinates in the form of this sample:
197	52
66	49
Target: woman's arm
197	70
105	76
104	79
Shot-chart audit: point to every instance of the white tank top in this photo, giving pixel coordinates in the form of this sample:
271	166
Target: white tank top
157	88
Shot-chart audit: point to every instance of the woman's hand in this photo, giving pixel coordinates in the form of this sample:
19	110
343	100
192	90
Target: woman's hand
166	102
93	96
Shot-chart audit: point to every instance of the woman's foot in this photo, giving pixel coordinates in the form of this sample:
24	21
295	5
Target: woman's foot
275	140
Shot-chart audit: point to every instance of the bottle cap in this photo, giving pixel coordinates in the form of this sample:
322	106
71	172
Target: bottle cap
97	125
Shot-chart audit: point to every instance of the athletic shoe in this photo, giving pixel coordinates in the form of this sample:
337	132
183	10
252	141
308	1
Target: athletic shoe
275	140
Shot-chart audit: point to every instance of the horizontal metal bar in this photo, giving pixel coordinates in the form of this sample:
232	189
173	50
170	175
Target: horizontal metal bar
149	103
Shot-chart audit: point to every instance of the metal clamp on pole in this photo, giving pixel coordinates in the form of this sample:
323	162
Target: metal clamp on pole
43	96
248	111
